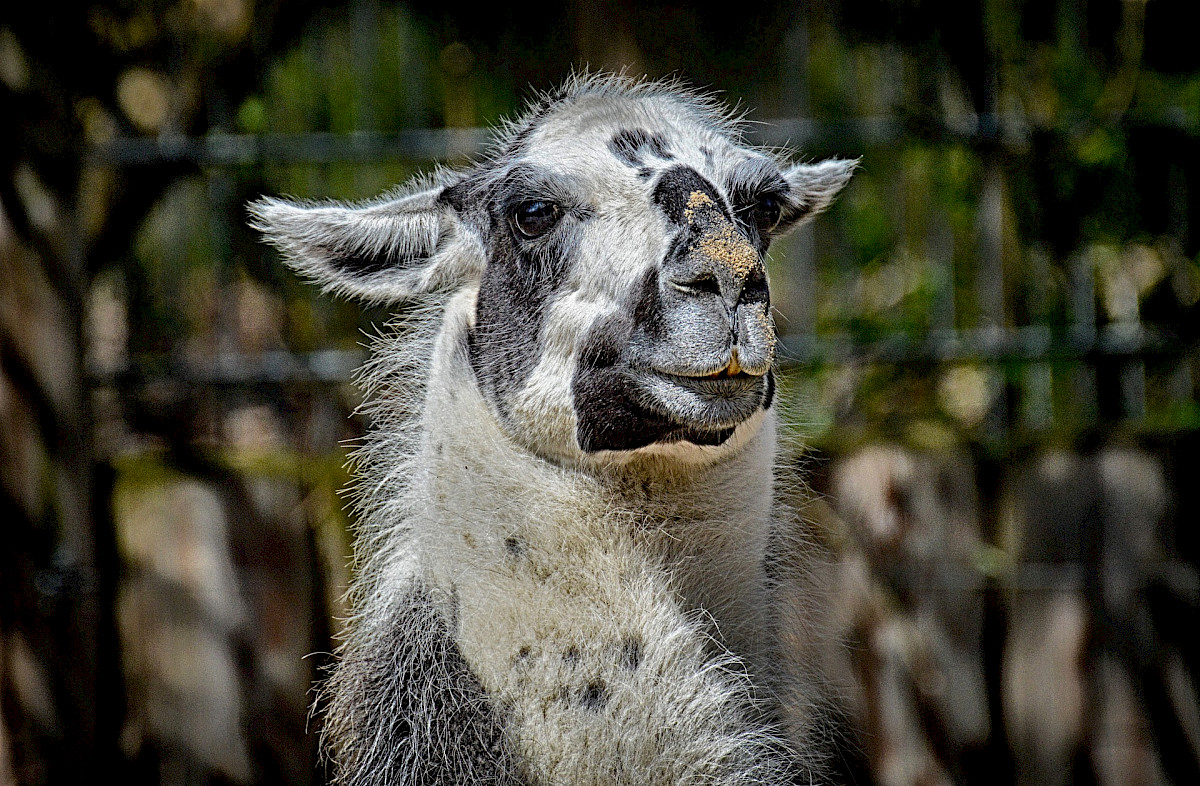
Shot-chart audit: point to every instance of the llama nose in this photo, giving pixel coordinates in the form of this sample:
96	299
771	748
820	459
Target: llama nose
721	266
718	258
752	348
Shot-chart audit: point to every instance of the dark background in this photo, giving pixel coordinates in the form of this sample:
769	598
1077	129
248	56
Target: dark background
990	350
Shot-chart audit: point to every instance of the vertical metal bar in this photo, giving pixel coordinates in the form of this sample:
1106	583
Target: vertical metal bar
1133	371
365	16
989	271
365	21
1181	386
1038	404
939	251
803	283
1133	388
795	77
803	280
412	68
219	190
989	282
1081	312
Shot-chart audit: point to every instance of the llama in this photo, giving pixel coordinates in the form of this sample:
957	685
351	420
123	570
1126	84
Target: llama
569	561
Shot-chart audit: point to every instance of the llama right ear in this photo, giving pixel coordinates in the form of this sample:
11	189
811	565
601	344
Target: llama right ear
812	189
383	251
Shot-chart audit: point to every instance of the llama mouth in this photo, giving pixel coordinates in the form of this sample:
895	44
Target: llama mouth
724	373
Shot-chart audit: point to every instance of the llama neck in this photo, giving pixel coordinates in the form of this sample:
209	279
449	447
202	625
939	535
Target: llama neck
704	526
587	602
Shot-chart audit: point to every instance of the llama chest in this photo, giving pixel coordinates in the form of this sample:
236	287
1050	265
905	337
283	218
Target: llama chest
576	622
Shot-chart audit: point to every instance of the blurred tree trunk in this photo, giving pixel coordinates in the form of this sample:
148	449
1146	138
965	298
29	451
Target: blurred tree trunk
61	681
70	77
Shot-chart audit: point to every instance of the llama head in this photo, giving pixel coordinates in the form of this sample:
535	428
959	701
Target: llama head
614	247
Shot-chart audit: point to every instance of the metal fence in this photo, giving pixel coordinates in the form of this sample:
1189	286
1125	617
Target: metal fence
993	340
993	562
990	346
1000	466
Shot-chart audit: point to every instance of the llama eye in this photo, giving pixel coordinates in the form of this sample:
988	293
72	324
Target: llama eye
766	213
535	217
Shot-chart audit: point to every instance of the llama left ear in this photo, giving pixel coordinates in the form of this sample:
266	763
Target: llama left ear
380	252
812	188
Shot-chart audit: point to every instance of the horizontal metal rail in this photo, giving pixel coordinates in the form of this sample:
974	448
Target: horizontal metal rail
1034	344
1031	344
314	148
440	144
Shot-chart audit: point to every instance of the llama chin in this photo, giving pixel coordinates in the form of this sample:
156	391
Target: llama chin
571	548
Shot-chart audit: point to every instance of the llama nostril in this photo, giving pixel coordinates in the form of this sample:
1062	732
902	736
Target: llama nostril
755	290
704	284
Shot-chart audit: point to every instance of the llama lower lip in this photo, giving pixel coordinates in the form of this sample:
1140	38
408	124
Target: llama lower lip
710	402
715	384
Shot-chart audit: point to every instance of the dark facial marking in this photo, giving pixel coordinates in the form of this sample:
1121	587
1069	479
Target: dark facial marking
509	312
756	290
458	195
628	143
522	276
609	418
698	437
647	311
514	546
658	148
676	186
752	182
609	414
769	396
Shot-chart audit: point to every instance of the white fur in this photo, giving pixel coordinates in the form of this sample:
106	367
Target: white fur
552	567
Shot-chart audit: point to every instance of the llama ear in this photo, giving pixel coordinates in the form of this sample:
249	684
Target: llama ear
812	188
382	251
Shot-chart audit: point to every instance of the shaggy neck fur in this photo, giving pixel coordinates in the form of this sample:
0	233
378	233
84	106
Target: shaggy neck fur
599	606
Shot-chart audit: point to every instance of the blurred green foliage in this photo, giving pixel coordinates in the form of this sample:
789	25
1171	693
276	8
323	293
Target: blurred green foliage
1079	119
1093	147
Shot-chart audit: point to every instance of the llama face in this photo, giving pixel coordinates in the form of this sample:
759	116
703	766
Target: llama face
629	246
616	246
